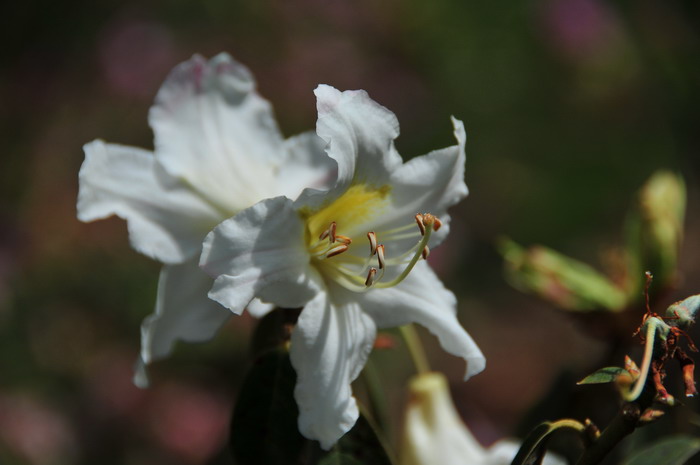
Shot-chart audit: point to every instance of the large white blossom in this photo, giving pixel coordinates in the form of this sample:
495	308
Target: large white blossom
350	255
434	433
218	150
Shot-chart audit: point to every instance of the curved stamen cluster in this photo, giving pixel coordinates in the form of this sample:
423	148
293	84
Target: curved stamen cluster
368	274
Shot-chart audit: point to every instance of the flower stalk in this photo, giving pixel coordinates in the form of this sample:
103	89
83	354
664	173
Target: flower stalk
415	348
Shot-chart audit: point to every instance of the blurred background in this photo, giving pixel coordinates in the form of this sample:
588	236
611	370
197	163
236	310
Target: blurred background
569	106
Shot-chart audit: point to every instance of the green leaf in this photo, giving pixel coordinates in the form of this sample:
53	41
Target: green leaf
264	425
360	446
605	375
669	451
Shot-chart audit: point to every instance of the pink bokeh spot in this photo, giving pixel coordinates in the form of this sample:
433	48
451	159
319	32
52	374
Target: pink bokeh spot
190	422
34	431
580	28
135	55
109	383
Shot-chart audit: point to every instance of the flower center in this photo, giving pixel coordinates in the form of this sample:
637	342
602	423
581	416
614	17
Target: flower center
358	205
334	256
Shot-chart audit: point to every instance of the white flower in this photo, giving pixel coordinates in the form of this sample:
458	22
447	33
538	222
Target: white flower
434	434
349	255
217	151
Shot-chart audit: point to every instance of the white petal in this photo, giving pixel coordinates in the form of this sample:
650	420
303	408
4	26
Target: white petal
214	130
183	313
330	345
166	220
421	298
261	252
360	134
258	309
306	166
430	183
438	176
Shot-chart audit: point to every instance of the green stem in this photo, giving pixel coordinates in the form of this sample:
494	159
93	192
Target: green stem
646	361
638	400
622	425
377	398
415	348
535	442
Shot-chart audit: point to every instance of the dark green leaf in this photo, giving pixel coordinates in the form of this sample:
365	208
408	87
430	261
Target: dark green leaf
605	375
669	451
273	330
360	446
264	425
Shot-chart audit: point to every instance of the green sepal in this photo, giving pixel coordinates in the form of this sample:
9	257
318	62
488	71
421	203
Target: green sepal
668	451
605	375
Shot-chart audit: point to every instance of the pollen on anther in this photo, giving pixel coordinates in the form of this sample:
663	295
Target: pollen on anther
337	250
372	242
343	239
421	225
370	276
428	219
331	231
426	252
380	256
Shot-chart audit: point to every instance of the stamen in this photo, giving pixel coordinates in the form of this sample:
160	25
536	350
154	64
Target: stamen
343	239
352	276
370	277
337	250
331	231
372	242
380	256
426	221
421	225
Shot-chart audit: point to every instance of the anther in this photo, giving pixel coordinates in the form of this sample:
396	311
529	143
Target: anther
429	220
331	231
372	242
380	256
437	224
426	252
421	225
343	239
370	277
337	250
324	234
